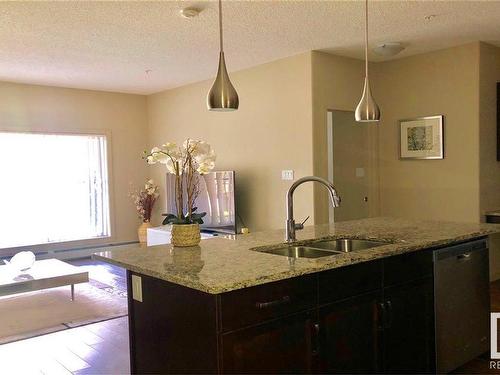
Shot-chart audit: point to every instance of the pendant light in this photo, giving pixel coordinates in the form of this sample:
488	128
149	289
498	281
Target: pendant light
367	110
222	96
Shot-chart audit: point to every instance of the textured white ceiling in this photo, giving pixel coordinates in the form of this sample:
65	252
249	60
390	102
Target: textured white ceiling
109	45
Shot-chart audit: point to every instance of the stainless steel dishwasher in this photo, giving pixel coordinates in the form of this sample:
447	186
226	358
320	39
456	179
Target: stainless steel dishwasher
462	303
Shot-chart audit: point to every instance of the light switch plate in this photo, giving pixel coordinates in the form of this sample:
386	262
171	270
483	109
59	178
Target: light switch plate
137	288
287	175
360	172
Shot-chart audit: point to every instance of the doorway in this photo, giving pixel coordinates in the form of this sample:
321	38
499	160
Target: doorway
351	165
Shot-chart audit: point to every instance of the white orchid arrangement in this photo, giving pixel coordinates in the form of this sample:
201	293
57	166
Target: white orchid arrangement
145	200
187	162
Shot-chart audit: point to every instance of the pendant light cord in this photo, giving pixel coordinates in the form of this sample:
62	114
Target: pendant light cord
220	26
366	38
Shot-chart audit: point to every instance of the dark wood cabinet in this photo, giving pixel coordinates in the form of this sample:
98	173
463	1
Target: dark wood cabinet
349	333
173	330
376	316
408	337
281	346
257	304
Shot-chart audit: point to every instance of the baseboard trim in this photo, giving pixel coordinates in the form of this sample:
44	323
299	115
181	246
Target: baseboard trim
494	276
77	252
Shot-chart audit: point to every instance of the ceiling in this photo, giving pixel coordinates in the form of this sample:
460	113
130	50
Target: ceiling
110	45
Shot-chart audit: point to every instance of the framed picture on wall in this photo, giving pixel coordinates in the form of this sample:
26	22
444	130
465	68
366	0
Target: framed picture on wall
422	138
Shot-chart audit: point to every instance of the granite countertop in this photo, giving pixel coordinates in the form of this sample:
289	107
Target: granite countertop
223	264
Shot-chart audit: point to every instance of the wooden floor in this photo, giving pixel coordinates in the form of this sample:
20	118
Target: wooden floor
99	348
102	348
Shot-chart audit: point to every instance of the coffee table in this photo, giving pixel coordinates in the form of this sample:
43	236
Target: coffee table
45	274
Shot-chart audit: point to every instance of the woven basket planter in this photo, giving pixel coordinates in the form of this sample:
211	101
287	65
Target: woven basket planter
184	235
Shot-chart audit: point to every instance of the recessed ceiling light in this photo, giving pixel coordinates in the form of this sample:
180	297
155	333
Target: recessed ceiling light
430	17
190	12
388	49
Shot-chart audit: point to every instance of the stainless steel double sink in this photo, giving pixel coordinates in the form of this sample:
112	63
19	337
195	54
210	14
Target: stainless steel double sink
324	248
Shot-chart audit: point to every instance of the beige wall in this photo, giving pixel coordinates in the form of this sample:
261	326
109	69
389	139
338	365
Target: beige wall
40	108
444	82
337	84
271	131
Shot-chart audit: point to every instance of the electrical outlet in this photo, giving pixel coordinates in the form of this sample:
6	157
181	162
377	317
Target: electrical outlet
287	175
137	288
360	172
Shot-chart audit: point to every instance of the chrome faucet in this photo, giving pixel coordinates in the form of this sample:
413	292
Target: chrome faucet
291	227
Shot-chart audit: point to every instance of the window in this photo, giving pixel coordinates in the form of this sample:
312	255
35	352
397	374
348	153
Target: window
53	188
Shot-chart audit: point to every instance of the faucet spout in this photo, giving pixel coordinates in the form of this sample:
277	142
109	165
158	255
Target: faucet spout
291	227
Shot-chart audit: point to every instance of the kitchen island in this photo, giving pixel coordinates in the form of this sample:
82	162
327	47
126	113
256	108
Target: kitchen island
222	307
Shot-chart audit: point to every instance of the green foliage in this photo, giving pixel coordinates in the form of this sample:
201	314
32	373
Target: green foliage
195	218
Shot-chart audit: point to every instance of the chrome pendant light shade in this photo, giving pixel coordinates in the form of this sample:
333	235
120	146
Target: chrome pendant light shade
222	96
367	109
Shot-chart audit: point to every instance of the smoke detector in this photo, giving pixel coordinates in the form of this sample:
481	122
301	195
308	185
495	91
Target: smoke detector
388	49
190	12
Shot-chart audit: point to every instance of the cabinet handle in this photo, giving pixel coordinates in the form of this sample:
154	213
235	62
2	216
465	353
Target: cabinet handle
389	314
315	339
282	301
463	257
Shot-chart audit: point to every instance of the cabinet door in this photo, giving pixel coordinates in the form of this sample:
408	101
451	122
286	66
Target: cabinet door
281	346
349	334
409	328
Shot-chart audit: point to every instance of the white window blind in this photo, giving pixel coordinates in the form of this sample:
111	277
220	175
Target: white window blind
53	188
